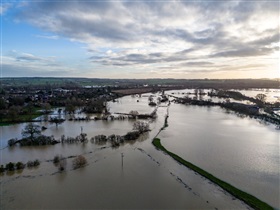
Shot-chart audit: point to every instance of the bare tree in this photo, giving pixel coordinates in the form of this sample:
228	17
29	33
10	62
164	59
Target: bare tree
60	161
141	126
151	99
261	97
31	130
133	112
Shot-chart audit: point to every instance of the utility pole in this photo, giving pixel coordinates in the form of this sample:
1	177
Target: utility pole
122	159
81	129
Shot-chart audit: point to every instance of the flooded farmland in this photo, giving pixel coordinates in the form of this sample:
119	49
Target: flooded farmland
240	151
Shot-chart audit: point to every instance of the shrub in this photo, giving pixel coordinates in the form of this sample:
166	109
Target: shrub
56	159
141	126
10	166
133	135
12	142
79	162
30	164
2	169
33	163
36	162
60	162
19	165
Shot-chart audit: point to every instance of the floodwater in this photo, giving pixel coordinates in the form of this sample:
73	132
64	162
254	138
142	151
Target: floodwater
272	95
148	179
241	151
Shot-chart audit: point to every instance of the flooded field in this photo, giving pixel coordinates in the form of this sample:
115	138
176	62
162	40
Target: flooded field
241	151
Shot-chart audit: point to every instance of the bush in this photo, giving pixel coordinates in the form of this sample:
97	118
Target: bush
19	166
2	169
33	163
79	162
12	142
56	159
10	166
60	162
36	162
30	164
133	135
141	126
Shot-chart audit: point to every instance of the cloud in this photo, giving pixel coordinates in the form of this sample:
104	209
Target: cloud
4	8
29	65
157	35
126	58
29	58
54	37
245	52
199	63
274	37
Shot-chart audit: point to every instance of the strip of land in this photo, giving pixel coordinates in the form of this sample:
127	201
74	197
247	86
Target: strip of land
247	198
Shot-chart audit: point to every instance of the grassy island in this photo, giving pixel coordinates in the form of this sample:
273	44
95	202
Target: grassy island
247	198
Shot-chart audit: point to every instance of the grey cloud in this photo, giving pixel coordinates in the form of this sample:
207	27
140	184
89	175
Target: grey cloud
29	57
198	63
120	24
105	29
68	19
244	52
138	58
274	38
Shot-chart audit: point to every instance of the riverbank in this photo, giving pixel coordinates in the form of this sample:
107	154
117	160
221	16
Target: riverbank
247	198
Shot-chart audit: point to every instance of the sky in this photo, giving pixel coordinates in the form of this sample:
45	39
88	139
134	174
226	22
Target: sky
140	39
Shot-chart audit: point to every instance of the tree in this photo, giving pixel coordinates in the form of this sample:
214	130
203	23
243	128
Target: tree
59	111
29	108
70	108
83	137
151	99
12	142
2	169
57	121
31	131
19	165
141	126
2	104
196	92
261	97
134	113
10	166
46	107
60	161
96	106
13	113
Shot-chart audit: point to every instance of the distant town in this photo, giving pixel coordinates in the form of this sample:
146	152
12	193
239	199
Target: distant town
23	99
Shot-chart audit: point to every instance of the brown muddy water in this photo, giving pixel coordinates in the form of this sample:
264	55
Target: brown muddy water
148	179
